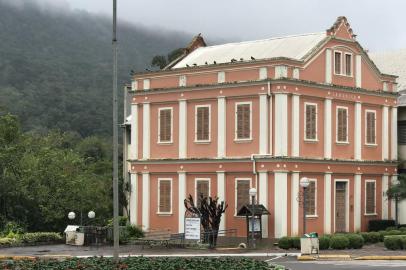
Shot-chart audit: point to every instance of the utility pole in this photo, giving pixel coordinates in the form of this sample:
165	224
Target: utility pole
116	234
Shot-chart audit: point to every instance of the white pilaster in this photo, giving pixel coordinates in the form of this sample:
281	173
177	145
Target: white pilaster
263	124
263	199
394	134
182	197
221	128
328	66
394	181
357	131
270	125
182	128
295	125
385	133
281	124
281	204
385	202
357	202
145	200
327	128
133	199
146	131
221	194
295	204
327	203
134	132
358	71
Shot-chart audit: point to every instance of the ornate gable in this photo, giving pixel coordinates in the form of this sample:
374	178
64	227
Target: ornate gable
342	29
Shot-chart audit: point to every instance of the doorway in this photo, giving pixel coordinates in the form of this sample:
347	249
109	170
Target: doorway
341	206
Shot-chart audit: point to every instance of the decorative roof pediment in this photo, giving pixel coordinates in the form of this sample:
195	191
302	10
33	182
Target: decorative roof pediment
341	28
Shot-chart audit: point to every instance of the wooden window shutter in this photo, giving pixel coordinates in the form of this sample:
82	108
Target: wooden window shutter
370	198
202	123
311	199
311	122
243	121
342	125
243	197
165	196
370	128
165	125
348	63
337	63
202	188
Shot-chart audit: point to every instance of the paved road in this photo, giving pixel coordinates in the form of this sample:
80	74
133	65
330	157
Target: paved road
293	264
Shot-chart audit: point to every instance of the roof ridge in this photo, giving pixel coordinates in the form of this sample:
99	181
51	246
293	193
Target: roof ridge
266	39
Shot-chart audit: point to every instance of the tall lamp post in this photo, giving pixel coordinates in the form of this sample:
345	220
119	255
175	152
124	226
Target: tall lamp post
304	183
253	193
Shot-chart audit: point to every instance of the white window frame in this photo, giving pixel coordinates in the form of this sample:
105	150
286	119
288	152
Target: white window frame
134	85
235	191
221	77
279	69
385	86
365	197
347	204
159	125
345	64
296	73
337	141
182	81
341	62
317	119
315	199
146	84
202	179
366	128
263	73
159	197
235	122
203	106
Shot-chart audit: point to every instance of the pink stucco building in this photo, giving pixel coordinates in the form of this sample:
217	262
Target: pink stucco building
265	113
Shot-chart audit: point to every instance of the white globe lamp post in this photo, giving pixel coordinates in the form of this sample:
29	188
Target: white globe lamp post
253	193
304	183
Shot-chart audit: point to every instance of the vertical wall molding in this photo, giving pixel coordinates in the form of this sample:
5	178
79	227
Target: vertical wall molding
295	204
263	124
394	181
385	202
146	131
329	72
270	125
133	199
145	200
327	203
327	128
281	204
385	133
134	132
357	202
221	122
295	126
263	199
358	71
181	198
221	194
357	131
182	128
281	124
394	133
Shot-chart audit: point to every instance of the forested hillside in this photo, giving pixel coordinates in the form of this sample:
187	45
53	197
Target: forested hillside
55	67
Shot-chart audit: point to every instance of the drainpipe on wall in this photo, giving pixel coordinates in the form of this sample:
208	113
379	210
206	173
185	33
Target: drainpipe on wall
254	170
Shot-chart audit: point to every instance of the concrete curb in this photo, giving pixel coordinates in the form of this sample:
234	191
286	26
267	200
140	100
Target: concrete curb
338	257
382	258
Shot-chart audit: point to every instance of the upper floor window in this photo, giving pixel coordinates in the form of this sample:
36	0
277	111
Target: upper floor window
242	197
165	125
165	195
202	190
182	80
221	77
311	121
370	197
263	73
348	64
243	121
281	72
202	124
311	198
134	85
337	63
296	73
146	83
385	86
342	124
370	127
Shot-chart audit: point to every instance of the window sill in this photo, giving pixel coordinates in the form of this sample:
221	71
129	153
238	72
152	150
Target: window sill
344	75
235	215
342	143
202	142
165	143
371	214
164	214
311	216
243	140
311	140
371	145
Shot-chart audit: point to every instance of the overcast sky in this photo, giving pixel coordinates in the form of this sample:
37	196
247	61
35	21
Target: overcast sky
380	25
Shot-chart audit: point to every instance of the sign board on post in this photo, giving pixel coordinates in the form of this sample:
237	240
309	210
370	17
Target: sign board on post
192	228
257	225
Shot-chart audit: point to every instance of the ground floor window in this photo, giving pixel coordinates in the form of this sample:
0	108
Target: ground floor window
202	188
242	188
370	197
165	195
311	200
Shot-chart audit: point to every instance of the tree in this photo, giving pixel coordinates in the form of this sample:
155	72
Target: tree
159	61
210	212
397	192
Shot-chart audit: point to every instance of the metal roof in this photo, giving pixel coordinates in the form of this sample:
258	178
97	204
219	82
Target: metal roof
248	210
294	47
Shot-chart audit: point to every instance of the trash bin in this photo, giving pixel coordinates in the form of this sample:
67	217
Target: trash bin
74	236
309	244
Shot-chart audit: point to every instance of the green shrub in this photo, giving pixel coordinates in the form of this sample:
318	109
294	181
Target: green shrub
394	232
134	231
382	235
391	228
403	240
11	229
324	242
38	237
339	242
122	221
285	242
5	241
380	224
371	237
366	236
356	241
393	242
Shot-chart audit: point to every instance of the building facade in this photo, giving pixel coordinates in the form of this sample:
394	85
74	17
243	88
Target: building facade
221	119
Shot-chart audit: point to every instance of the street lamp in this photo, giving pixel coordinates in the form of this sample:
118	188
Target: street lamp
253	193
71	215
304	183
91	214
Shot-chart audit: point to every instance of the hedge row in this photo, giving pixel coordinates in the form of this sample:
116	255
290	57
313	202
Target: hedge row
375	237
338	241
31	238
395	242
